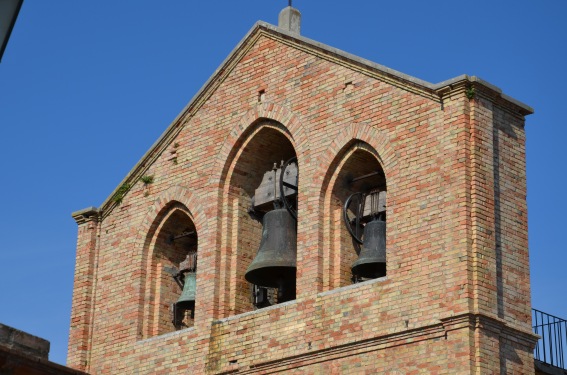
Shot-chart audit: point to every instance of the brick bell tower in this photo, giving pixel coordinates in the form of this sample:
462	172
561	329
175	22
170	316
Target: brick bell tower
313	212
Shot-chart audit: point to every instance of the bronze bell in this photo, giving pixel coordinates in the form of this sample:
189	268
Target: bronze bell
371	262
275	263
186	302
187	299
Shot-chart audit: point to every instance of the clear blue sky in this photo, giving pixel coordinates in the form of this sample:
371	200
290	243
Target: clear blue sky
86	87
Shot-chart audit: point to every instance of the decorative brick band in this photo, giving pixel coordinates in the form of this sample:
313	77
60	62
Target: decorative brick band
431	332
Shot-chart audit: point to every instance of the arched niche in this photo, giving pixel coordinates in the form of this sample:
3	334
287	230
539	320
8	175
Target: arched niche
357	168
266	143
171	241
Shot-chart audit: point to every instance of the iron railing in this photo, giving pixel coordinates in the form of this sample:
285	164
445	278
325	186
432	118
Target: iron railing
552	347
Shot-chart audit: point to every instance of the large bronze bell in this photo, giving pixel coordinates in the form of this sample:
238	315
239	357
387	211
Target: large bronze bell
275	263
371	262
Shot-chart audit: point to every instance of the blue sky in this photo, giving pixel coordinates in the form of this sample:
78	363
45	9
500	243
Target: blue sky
86	87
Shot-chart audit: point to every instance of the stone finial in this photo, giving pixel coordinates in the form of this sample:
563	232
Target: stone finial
290	20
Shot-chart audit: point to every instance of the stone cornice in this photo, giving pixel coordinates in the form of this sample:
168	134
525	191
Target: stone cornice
85	215
491	323
479	88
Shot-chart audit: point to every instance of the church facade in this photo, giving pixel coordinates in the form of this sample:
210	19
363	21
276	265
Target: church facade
445	162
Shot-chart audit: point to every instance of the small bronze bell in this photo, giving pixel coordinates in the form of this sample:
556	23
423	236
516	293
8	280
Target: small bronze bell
186	301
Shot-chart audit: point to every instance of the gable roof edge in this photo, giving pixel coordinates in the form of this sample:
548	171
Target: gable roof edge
176	125
246	42
433	88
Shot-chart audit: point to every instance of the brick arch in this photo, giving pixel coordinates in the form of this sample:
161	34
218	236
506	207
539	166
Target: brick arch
376	143
155	216
258	118
355	132
262	111
172	194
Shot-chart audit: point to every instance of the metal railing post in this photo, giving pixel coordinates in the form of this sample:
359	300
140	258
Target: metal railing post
553	332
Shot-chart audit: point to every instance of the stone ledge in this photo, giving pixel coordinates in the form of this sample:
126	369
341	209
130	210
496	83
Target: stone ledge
15	362
23	342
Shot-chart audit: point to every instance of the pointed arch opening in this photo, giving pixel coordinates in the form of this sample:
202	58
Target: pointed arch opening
257	160
356	177
173	239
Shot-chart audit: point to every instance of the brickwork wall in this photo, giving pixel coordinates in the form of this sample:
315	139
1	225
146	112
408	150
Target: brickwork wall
511	219
84	282
448	211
